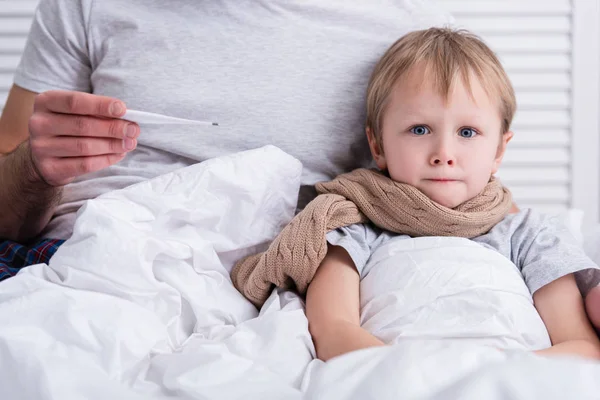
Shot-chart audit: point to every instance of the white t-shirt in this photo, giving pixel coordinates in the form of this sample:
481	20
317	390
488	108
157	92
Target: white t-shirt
288	73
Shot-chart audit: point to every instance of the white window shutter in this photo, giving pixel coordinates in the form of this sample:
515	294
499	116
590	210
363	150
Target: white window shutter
15	20
534	39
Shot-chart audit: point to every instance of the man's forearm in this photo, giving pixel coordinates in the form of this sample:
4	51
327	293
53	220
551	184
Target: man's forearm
26	202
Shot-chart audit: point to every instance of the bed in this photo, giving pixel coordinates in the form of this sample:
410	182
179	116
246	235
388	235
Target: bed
138	304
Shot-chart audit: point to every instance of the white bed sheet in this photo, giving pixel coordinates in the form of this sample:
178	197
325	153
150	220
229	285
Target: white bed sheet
138	304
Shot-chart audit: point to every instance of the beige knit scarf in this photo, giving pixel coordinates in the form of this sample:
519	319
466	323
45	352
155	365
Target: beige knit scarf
359	196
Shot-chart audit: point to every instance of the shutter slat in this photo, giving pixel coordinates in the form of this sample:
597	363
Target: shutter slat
14	45
543	100
506	7
530	43
6	80
527	138
14	26
542	119
535	63
543	80
483	24
533	175
17	7
543	194
556	208
8	63
518	157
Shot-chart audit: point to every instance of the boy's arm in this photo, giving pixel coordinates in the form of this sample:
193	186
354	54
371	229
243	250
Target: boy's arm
561	307
333	307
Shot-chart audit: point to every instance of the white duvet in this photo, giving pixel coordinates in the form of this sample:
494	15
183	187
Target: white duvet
138	304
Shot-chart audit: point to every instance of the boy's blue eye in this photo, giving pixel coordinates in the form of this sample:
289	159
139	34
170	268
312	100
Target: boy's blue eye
420	130
467	132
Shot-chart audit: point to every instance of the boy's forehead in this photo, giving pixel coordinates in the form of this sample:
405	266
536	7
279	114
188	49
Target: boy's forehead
421	84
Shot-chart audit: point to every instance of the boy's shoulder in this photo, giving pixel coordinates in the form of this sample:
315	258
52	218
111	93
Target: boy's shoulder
532	221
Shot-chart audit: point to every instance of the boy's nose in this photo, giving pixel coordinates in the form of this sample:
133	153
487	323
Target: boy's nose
435	160
442	156
442	153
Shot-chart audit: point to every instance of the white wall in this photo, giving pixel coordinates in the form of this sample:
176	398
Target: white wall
550	49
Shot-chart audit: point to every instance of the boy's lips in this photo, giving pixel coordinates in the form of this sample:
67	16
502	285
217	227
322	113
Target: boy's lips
442	180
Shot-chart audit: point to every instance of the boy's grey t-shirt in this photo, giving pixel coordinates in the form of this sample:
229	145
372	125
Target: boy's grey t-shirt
540	245
289	73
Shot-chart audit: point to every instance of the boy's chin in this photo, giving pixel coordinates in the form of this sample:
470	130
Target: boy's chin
446	201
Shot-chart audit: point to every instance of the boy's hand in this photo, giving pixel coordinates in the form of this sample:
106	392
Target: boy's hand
592	305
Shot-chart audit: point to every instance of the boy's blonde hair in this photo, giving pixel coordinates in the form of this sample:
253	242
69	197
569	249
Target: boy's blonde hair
445	54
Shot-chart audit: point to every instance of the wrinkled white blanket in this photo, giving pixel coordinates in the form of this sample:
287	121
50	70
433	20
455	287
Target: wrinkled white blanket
449	290
138	304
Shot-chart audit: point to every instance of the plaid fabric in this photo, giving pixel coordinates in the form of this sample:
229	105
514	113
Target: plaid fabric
14	257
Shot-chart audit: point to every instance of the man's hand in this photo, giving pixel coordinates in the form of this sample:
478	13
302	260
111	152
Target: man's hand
46	141
73	133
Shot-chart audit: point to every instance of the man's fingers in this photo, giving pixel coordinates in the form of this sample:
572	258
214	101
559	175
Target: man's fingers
79	103
68	146
62	170
74	133
52	124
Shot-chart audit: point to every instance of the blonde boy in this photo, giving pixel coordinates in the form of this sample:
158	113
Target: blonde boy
440	107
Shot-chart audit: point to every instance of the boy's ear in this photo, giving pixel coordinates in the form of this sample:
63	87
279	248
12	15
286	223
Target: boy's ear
376	150
506	137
